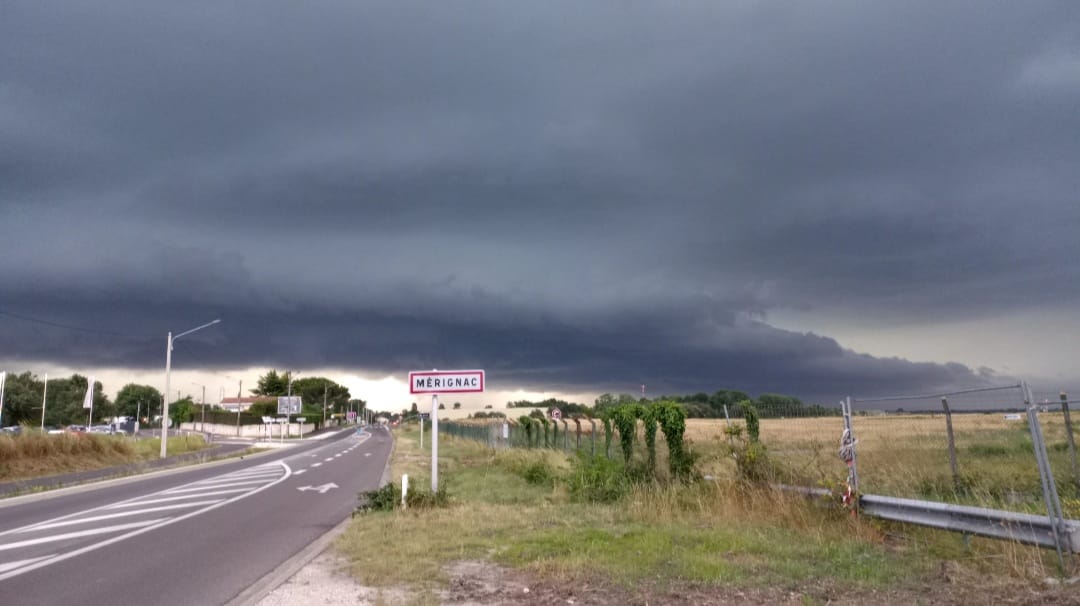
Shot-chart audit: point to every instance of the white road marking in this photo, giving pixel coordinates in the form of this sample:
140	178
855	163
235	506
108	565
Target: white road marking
316	464
20	563
81	533
210	486
299	471
179	498
166	522
367	454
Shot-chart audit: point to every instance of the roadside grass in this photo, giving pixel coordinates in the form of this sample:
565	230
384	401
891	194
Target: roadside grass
33	455
512	507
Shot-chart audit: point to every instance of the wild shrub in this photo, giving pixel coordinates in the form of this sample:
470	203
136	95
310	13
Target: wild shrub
624	418
606	420
597	480
672	420
752	462
650	416
380	499
425	498
538	472
527	423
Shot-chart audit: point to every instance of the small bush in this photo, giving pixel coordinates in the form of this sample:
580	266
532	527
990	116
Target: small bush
597	480
380	499
538	472
753	463
426	499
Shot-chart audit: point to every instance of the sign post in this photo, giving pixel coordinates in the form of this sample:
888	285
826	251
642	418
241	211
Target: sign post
288	406
435	382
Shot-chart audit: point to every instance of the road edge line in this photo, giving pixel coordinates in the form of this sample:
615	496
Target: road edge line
289	568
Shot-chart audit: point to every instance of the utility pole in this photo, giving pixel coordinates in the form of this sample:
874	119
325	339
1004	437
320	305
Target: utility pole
324	404
239	391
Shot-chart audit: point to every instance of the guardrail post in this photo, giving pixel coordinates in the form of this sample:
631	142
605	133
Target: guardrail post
1069	435
952	444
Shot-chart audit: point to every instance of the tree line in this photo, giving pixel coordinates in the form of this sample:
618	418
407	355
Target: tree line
63	399
698	405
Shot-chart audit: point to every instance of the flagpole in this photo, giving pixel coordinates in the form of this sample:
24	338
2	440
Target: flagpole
44	392
3	379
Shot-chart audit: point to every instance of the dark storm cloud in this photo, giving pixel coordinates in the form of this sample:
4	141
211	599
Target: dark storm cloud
579	196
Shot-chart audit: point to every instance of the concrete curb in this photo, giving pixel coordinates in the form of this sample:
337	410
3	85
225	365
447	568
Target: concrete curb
269	582
272	580
386	475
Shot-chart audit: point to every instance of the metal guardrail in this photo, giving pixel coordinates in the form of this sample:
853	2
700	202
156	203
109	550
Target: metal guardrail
994	523
1025	528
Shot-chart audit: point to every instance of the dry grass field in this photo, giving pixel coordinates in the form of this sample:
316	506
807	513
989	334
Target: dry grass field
908	455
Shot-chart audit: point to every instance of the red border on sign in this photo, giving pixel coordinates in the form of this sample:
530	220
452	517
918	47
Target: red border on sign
435	373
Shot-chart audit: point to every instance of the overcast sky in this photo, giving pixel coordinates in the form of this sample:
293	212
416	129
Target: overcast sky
814	198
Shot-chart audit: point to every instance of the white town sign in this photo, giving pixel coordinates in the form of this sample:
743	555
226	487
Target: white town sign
446	381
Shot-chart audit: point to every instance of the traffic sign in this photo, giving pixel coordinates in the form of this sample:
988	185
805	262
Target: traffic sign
556	414
446	381
288	405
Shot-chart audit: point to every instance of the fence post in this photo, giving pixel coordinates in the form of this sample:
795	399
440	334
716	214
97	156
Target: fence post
1050	495
952	444
727	419
853	475
592	448
565	435
1069	435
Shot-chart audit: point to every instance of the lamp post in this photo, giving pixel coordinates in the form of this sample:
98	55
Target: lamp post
168	369
202	421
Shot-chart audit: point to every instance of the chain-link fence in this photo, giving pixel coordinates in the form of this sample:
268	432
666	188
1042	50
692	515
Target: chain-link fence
972	447
569	435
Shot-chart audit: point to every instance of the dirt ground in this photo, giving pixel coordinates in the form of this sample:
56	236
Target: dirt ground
476	583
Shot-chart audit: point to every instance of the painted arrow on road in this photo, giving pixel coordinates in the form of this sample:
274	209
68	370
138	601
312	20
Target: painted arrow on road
322	489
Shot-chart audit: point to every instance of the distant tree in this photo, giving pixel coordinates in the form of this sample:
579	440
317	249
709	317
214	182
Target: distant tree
312	391
488	407
22	399
442	406
181	410
414	410
134	398
457	405
65	399
273	384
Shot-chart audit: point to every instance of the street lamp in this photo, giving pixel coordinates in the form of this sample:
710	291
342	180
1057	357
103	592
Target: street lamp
202	422
168	369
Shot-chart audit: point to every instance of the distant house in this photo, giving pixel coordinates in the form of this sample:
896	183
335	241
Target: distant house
245	403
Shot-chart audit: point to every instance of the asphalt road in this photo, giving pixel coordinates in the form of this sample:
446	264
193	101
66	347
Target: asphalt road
197	537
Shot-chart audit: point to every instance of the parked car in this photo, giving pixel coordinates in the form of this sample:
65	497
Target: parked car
53	430
76	428
12	429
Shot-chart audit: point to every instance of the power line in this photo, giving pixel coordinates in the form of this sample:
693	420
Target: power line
71	327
